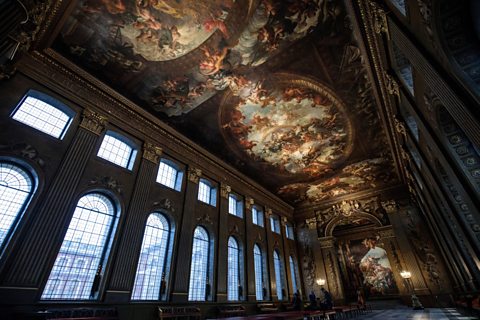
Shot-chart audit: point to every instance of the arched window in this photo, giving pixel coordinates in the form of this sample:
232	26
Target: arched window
16	188
278	274
293	271
44	113
150	276
258	263
233	278
117	149
197	290
88	238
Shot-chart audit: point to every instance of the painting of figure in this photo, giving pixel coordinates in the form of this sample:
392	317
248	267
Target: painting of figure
367	267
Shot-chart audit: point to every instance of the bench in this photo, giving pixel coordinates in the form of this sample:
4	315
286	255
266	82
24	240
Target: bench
83	314
267	307
231	311
179	312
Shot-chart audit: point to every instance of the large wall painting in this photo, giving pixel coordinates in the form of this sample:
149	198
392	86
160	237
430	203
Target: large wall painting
366	267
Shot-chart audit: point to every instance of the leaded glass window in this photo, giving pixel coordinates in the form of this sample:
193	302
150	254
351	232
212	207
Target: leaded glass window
258	264
81	258
257	216
293	271
117	151
168	175
233	278
197	290
278	274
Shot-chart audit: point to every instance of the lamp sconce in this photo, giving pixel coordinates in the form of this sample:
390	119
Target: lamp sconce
321	282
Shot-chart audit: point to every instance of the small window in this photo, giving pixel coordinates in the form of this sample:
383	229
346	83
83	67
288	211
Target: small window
169	175
275	224
115	149
16	188
257	216
206	193
289	231
235	205
44	113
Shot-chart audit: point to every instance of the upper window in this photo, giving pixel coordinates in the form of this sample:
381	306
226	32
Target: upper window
233	278
115	148
275	223
169	175
293	271
151	269
235	205
404	68
400	5
278	274
79	265
258	264
16	188
197	289
289	231
207	193
257	216
37	111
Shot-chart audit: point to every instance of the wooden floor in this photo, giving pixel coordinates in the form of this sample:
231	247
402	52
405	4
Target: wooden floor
409	314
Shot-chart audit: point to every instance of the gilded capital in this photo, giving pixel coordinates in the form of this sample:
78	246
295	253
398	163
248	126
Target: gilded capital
380	23
399	126
268	212
249	202
151	152
283	221
390	206
405	154
194	174
93	121
392	85
225	190
311	223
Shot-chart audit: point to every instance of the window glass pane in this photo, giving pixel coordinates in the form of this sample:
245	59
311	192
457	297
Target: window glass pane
151	264
233	269
15	190
232	205
278	275
199	266
255	215
275	224
116	151
293	271
204	192
86	240
42	116
258	263
167	175
289	231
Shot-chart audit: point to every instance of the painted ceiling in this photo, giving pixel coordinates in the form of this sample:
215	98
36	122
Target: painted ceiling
277	88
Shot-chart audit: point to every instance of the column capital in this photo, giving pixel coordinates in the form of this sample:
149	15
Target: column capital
93	122
268	212
326	242
249	202
380	23
390	206
392	85
399	126
194	174
225	190
151	152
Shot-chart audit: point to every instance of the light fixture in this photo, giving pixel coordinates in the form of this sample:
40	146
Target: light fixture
405	274
321	282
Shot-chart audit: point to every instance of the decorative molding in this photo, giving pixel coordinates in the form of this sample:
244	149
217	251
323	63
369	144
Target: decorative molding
311	223
205	219
235	230
405	155
165	204
283	221
106	182
24	150
225	190
392	85
326	242
268	212
93	121
380	23
385	232
249	202
390	206
194	175
259	238
151	152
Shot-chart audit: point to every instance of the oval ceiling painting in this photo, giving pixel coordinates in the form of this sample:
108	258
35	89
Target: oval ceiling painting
163	30
293	124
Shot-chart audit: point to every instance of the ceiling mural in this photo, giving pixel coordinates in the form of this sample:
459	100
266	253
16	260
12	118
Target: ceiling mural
269	86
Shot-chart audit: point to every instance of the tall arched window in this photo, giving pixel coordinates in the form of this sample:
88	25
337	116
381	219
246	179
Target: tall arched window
293	271
278	274
258	263
78	268
16	188
233	278
197	290
150	276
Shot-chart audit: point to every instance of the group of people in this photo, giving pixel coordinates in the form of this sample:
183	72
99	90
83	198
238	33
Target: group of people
326	303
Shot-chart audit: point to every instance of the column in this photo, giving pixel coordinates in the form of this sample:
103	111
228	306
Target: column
181	273
222	246
249	262
332	269
30	263
123	273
